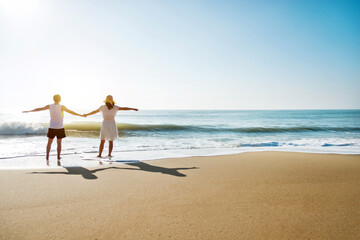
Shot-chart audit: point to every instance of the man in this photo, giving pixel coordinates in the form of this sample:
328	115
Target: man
56	127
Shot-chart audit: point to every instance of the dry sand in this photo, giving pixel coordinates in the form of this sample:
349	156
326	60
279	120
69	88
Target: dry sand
265	195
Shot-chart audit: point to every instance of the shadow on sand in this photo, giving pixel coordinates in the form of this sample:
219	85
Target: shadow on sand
136	165
142	166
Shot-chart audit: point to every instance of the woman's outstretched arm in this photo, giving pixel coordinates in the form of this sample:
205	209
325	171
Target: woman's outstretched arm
91	113
37	109
126	108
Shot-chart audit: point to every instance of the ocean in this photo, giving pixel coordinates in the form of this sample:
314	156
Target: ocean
155	134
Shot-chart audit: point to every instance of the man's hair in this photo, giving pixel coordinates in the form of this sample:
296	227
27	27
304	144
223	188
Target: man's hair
57	98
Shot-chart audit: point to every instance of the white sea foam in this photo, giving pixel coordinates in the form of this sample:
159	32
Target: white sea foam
22	128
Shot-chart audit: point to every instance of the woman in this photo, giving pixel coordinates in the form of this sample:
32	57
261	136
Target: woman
108	127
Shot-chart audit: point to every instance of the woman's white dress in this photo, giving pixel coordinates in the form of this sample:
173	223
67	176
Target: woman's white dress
108	130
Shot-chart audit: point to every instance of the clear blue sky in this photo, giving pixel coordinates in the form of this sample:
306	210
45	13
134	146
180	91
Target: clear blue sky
181	54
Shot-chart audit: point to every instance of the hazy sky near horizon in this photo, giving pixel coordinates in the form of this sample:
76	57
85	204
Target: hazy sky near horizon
181	54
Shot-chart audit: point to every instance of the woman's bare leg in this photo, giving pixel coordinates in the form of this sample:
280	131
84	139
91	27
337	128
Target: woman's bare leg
110	148
101	147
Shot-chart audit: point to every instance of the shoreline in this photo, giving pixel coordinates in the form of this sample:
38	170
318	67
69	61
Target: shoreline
106	160
256	195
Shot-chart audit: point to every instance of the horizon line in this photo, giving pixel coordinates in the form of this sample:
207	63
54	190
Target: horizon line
218	109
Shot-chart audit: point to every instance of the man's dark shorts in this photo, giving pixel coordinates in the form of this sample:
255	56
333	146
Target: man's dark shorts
59	133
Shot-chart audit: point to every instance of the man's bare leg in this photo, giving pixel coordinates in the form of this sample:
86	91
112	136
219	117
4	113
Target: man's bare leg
101	147
48	148
110	148
58	151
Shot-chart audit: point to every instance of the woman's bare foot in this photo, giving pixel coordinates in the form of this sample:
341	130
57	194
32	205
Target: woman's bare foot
47	162
58	162
99	156
109	156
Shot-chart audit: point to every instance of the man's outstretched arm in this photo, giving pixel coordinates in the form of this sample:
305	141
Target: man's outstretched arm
63	108
37	109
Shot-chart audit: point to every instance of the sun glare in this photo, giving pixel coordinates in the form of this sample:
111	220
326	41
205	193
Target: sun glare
18	8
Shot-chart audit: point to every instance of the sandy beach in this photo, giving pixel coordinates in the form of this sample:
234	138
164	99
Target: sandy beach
259	195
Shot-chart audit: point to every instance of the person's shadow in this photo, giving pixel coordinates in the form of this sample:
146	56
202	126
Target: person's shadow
140	166
85	173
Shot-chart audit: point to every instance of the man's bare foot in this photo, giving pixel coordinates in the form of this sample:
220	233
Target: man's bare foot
58	162
47	162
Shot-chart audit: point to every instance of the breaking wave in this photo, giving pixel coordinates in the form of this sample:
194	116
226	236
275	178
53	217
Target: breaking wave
93	128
